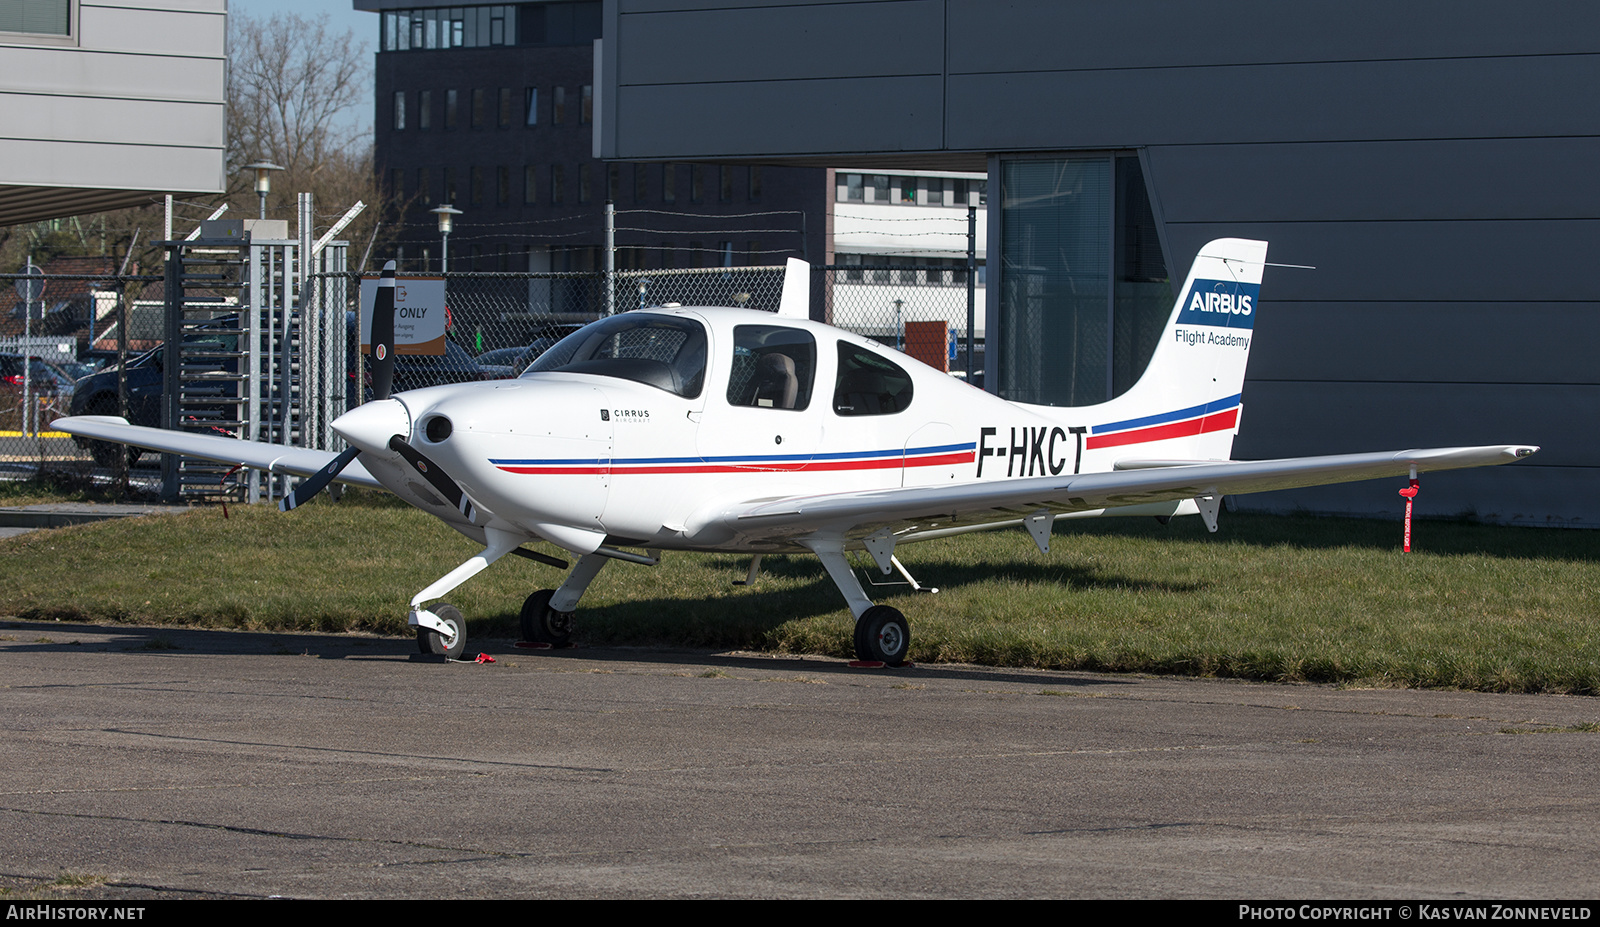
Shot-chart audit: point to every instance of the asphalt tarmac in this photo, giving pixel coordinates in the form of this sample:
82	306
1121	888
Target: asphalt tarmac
185	763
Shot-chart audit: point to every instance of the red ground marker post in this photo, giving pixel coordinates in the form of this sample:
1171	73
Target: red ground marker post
1409	494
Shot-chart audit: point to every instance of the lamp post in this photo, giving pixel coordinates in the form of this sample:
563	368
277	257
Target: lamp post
446	214
263	171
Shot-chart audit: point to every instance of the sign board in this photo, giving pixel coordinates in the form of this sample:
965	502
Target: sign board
30	287
420	316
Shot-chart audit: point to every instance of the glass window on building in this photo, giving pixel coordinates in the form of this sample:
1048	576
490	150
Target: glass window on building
425	109
558	106
399	110
935	191
669	183
530	184
851	190
530	106
908	191
880	188
558	181
449	185
755	184
1084	289
725	184
641	184
450	99
586	105
424	190
480	106
397	183
958	192
504	119
502	183
475	176
697	183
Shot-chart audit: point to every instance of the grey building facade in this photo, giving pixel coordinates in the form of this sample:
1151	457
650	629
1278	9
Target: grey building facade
1434	161
490	108
108	103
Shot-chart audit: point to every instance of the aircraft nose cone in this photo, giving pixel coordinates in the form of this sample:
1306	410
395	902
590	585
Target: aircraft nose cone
370	426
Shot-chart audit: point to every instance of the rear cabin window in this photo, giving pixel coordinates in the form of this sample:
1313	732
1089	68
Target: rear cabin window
869	384
773	367
666	352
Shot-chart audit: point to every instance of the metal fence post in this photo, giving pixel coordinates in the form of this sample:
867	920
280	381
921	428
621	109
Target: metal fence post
972	282
611	258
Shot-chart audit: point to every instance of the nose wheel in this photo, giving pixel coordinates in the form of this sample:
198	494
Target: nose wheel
451	645
542	624
883	636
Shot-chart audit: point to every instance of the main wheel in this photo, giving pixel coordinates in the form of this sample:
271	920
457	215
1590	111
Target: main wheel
883	636
542	624
431	641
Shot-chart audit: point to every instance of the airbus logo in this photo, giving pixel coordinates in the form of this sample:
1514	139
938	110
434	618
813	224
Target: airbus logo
1220	303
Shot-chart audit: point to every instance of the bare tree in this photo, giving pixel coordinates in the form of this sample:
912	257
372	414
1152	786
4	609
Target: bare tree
290	82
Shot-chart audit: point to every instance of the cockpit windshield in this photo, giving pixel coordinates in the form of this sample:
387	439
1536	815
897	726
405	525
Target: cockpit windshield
666	352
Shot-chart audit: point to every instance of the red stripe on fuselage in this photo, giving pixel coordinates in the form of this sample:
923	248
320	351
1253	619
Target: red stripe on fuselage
962	457
1188	429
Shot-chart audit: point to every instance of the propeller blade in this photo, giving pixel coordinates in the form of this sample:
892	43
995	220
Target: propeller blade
308	488
383	334
435	476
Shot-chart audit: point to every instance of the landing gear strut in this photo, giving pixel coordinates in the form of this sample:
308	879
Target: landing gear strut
882	633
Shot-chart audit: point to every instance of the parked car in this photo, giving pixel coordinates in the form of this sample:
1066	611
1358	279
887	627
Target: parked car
49	385
504	363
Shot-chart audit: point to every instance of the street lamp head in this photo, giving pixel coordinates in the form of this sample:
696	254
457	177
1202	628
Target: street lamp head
446	214
263	171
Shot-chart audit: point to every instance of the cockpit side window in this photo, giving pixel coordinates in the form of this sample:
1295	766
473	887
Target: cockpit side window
869	384
773	367
666	352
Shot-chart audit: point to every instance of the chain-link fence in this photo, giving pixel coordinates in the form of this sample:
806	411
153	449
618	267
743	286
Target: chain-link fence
921	309
498	323
55	331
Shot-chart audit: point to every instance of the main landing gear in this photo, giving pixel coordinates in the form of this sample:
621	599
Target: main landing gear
547	615
882	633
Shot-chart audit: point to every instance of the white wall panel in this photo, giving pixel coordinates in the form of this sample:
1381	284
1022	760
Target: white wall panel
112	167
119	76
152	31
97	119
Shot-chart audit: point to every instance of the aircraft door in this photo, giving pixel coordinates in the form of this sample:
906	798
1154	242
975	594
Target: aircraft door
762	416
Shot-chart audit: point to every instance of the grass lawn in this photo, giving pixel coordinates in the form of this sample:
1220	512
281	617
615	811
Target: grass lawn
1297	598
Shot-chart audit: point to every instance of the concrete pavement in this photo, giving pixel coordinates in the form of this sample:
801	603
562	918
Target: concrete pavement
187	763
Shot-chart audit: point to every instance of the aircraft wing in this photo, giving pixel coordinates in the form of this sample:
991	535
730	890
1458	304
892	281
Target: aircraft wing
274	458
929	511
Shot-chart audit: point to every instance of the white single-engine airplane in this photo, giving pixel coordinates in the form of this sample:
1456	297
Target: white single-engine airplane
732	430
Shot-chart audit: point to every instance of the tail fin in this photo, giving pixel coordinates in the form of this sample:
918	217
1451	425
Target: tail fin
795	301
1186	405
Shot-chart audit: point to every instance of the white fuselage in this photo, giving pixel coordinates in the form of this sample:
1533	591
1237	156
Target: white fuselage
633	464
